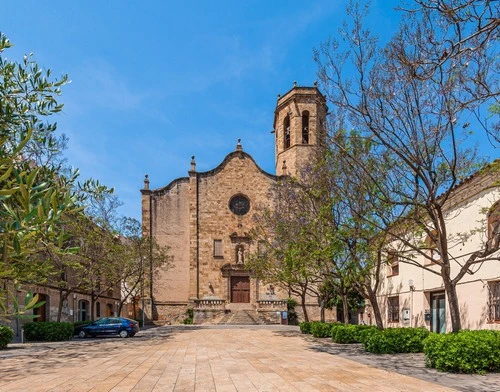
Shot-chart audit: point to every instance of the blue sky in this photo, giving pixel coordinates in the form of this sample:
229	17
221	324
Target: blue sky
155	82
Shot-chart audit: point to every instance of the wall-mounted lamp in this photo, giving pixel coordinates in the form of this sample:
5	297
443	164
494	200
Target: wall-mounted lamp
411	284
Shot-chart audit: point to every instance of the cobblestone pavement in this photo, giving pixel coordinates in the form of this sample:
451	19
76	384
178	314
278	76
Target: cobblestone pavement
267	358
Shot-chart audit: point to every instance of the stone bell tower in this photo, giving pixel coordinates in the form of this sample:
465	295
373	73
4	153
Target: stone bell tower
299	128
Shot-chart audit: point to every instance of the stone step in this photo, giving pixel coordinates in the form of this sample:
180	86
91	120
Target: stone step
243	317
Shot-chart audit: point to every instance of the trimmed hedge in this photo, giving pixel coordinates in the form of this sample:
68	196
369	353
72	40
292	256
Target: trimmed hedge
6	335
48	331
396	340
322	330
305	327
464	351
347	334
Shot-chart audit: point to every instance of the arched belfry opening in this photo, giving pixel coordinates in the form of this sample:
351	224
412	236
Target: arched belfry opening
286	130
299	119
305	127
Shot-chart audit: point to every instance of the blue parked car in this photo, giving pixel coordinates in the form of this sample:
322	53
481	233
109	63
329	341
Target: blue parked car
108	326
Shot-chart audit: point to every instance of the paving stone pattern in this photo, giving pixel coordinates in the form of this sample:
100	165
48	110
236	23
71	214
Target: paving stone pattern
222	358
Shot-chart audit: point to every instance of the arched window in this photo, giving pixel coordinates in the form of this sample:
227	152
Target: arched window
286	130
98	309
305	127
493	227
83	310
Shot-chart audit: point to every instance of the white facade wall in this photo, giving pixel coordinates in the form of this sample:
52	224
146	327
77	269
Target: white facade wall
414	285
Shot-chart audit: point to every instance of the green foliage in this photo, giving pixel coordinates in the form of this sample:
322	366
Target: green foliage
190	316
6	335
305	327
347	334
396	340
19	311
322	330
34	193
464	351
48	331
365	332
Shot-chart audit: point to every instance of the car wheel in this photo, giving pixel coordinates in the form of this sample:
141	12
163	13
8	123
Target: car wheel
123	334
82	334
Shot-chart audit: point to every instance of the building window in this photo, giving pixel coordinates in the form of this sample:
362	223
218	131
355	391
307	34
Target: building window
494	302
218	248
286	129
305	127
393	309
494	227
83	307
393	262
239	204
98	309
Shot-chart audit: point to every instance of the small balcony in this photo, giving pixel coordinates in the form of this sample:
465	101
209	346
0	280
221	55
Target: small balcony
272	304
210	303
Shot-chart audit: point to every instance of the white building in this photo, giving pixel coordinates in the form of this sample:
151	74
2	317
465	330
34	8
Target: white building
410	296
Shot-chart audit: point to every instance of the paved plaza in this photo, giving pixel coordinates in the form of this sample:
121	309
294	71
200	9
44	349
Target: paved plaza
256	358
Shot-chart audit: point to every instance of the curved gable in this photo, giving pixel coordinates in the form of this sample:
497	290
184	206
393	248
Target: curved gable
229	158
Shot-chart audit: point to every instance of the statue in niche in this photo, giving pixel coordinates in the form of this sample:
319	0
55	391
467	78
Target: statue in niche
239	259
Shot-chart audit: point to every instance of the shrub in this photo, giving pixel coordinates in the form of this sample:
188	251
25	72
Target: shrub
365	332
396	340
305	327
48	331
464	351
322	330
190	316
347	334
6	335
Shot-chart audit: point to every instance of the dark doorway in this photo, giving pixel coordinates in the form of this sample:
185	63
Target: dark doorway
240	289
41	311
438	312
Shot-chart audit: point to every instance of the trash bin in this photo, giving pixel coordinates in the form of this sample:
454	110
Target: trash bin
284	318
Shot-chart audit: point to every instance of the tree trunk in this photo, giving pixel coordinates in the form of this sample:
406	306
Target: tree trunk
92	306
451	293
322	310
376	309
345	308
303	305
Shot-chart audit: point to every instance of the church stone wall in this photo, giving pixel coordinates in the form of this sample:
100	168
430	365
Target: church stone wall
170	226
239	175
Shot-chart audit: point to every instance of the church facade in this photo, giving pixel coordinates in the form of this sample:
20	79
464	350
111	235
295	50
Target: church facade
205	219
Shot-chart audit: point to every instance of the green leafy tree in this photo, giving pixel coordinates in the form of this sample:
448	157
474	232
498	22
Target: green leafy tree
33	193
